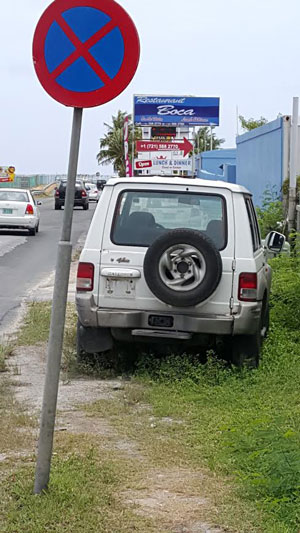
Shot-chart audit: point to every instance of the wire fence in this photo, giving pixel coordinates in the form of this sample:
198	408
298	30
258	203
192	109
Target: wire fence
33	181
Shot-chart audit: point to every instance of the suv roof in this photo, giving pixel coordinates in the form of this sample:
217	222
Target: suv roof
192	182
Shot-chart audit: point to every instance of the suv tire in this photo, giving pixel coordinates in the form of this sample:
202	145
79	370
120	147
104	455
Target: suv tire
187	278
92	341
246	349
32	231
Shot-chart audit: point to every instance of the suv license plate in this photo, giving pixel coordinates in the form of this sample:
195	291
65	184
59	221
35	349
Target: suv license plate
161	321
7	211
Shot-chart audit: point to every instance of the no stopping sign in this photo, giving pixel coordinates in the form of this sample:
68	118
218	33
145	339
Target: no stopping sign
85	52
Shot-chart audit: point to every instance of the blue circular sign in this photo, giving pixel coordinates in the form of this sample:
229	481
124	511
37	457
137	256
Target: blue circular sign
85	52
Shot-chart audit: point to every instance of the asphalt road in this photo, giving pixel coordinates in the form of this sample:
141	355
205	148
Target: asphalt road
26	260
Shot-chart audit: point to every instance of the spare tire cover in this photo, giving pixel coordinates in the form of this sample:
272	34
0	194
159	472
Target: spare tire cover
182	267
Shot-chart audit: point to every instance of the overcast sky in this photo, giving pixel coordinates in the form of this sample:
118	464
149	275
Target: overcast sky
244	51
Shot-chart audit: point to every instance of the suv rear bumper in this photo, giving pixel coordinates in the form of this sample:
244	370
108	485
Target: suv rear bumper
246	322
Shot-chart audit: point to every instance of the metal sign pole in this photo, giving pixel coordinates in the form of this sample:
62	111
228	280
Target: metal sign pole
293	166
193	160
60	295
133	139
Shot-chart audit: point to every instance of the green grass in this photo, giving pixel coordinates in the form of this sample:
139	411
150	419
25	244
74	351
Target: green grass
241	423
36	324
81	497
6	350
244	426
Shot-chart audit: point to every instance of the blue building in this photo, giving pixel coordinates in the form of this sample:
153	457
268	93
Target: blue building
259	162
263	157
213	161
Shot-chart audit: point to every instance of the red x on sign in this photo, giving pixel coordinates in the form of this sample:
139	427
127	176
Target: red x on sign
85	51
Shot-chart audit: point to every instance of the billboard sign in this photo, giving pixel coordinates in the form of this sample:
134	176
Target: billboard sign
7	174
155	146
159	165
139	165
150	110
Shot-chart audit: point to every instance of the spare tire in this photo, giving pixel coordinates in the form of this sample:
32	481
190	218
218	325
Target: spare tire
182	267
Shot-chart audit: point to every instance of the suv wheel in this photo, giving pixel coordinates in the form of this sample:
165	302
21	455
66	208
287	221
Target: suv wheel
32	231
91	341
57	206
182	267
246	349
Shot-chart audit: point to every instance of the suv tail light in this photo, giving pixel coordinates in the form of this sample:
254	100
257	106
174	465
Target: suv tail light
57	192
83	194
248	287
29	210
85	277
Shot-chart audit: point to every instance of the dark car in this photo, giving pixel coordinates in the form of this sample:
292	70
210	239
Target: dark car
101	184
81	196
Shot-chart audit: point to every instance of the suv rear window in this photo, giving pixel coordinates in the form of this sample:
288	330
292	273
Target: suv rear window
142	216
78	185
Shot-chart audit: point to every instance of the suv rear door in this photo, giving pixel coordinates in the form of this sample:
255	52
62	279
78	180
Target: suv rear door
122	284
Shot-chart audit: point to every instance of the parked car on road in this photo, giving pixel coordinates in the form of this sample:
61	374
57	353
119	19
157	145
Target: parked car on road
175	260
92	191
81	196
101	184
19	210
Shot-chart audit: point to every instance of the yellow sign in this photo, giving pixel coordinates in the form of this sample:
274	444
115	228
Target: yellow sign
7	174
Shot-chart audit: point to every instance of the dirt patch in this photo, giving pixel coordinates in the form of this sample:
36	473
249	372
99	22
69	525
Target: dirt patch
179	498
28	367
78	422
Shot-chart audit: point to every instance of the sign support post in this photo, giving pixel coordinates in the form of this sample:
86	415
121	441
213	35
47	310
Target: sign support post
75	73
60	295
133	141
193	156
293	166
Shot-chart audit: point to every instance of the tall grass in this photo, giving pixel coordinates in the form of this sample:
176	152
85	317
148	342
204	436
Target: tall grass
245	423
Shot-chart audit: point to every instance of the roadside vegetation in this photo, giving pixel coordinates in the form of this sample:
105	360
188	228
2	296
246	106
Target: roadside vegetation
228	436
244	424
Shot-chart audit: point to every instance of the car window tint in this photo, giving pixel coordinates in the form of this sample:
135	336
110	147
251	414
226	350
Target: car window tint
13	196
142	216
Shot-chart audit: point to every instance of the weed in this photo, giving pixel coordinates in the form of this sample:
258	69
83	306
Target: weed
66	506
36	324
6	350
244	424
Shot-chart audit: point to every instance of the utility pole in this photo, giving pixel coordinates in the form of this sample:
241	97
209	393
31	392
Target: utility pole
293	167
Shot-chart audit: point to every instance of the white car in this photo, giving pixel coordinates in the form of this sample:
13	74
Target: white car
175	260
92	191
19	210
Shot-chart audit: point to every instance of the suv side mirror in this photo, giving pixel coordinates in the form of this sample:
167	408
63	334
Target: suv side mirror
274	242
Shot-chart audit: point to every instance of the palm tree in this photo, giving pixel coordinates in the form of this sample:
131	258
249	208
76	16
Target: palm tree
112	144
203	140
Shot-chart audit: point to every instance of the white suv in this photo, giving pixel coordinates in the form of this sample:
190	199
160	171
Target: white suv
175	260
